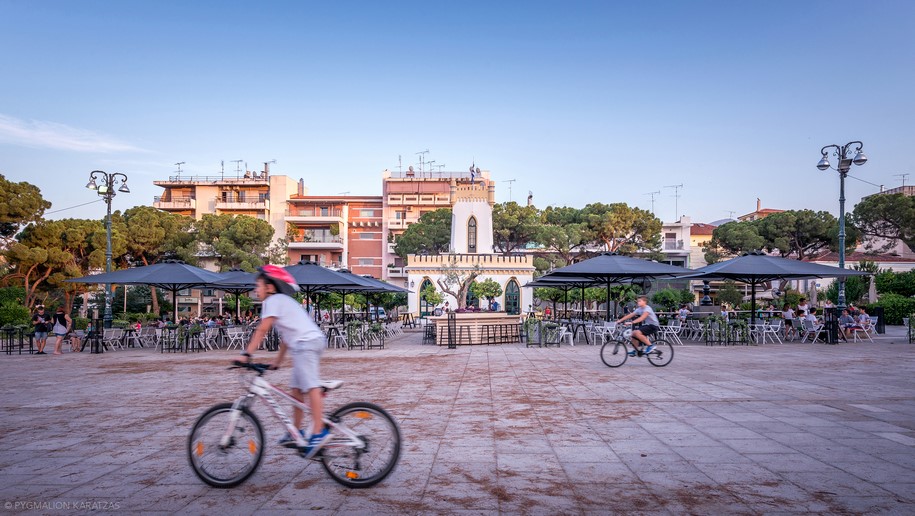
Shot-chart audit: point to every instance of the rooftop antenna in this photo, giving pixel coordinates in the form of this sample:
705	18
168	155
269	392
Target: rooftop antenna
676	200
440	167
399	165
345	193
903	176
237	167
421	157
652	194
509	181
730	213
222	169
431	166
179	166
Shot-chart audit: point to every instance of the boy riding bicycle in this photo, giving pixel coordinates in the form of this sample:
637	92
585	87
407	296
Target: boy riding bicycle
645	315
305	342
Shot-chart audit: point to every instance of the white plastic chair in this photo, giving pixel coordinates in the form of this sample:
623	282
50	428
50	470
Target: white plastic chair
565	333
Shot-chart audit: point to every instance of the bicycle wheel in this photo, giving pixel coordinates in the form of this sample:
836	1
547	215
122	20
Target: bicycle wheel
614	353
662	355
231	465
367	465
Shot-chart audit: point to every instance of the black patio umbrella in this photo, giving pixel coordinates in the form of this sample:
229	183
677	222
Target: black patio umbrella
313	278
756	268
370	286
236	282
610	268
169	275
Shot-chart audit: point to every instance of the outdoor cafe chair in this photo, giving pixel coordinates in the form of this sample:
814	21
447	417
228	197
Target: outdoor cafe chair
811	331
211	338
866	331
773	330
112	337
671	331
565	333
147	336
236	337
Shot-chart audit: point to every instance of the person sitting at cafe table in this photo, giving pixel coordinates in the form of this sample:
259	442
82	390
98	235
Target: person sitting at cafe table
848	324
802	306
683	313
864	320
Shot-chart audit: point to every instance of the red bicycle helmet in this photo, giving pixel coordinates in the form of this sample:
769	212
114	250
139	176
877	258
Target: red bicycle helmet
280	278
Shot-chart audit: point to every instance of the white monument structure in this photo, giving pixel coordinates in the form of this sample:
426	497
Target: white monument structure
472	250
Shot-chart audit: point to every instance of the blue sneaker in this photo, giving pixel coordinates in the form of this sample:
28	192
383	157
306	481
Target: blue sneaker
316	442
632	353
648	350
288	442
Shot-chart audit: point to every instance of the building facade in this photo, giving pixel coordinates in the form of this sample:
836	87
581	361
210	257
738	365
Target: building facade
336	232
408	195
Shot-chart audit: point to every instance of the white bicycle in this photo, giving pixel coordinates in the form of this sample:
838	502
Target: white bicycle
226	443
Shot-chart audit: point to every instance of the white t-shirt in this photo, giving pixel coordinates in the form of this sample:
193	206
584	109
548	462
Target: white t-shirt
788	314
292	322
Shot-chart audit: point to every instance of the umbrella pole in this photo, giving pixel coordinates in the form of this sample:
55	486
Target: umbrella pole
608	300
582	303
175	306
752	304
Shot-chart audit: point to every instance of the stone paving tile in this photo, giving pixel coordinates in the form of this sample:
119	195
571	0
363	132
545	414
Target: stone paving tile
492	430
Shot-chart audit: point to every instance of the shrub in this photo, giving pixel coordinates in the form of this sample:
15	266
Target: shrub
895	307
80	323
13	313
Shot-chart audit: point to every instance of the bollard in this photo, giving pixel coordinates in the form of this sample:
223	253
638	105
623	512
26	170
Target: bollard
452	329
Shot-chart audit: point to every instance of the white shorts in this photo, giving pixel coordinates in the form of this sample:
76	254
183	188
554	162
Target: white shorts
305	368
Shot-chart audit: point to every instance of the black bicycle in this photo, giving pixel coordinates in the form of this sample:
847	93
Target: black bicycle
615	352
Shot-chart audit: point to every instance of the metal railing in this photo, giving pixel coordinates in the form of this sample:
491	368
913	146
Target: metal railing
673	244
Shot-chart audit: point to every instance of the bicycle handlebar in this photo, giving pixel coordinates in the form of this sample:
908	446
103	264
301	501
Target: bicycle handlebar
254	366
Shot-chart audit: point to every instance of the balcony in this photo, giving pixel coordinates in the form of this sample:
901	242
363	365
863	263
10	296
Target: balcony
242	203
174	203
331	242
391	246
673	245
314	216
397	272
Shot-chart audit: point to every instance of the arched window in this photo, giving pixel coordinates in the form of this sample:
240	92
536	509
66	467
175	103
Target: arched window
512	298
472	299
472	235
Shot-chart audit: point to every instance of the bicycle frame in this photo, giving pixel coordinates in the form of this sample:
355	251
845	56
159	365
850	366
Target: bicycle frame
261	388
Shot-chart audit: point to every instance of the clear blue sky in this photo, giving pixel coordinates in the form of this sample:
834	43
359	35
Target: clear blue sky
577	101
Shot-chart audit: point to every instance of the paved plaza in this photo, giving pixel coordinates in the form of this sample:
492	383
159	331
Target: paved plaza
791	428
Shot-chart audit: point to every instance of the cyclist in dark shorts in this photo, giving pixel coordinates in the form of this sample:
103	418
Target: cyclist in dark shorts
645	315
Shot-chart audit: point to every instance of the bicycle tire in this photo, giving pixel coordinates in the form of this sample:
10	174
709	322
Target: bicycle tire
346	464
200	443
662	355
615	355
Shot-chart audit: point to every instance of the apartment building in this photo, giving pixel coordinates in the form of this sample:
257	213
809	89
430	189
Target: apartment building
407	195
336	231
256	194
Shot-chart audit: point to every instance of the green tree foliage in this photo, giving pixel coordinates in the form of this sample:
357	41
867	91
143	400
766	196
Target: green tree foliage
800	233
514	226
621	228
431	234
668	298
732	239
902	283
729	295
236	242
231	300
562	231
432	296
20	204
554	295
795	234
890	217
895	308
153	234
856	287
49	252
488	289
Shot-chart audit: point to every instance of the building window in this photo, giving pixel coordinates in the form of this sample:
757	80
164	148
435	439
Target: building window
366	262
366	213
472	235
369	236
325	211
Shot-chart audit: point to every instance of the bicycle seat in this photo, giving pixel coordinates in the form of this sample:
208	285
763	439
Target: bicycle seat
329	385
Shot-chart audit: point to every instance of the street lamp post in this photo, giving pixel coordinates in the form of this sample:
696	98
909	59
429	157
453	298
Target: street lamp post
845	162
104	183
